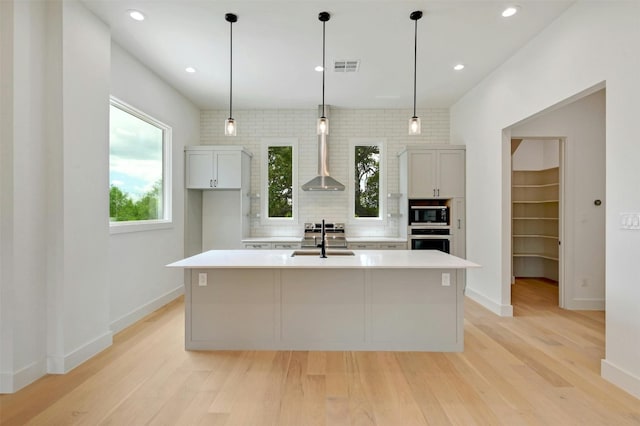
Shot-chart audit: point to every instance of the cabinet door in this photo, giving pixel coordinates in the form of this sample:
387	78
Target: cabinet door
363	246
458	228
199	169
228	170
283	246
450	173
393	246
422	174
257	246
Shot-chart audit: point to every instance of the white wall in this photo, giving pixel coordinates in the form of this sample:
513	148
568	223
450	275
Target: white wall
590	43
22	220
138	281
65	282
346	124
536	155
582	124
77	176
54	195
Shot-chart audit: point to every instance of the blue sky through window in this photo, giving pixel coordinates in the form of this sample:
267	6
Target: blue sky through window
135	153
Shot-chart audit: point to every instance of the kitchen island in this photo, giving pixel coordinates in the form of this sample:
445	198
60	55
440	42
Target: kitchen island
400	300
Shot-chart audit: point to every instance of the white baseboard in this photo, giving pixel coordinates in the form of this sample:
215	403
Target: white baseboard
144	310
586	305
62	365
620	377
496	308
13	382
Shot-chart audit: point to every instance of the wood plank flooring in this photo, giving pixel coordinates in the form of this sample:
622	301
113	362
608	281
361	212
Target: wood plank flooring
541	367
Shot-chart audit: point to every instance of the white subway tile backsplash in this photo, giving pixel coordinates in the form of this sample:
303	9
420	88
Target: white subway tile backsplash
388	124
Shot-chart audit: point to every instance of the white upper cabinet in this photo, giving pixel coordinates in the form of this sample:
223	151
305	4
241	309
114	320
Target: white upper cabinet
214	167
435	173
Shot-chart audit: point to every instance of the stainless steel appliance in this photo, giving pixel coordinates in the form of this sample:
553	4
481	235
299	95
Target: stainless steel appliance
334	235
420	214
430	238
323	182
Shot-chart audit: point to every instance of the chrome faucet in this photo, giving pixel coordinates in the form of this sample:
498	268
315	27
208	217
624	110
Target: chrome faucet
323	243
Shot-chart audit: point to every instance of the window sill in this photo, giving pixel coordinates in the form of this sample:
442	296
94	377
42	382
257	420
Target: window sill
139	226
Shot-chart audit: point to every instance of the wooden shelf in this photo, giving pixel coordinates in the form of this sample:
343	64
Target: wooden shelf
535	199
547	185
538	255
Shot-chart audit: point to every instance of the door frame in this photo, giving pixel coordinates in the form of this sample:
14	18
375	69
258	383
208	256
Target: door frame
507	228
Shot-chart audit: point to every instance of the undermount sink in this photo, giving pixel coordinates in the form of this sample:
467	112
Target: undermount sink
317	253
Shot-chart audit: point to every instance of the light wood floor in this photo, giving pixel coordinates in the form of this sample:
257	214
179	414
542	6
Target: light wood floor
539	368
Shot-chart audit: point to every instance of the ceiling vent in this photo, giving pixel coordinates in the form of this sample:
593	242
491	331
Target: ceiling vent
346	66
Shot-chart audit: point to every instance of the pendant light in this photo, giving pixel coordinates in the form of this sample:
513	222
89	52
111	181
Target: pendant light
230	124
323	121
414	122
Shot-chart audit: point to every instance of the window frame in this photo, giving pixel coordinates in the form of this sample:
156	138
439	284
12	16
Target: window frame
264	178
167	208
381	219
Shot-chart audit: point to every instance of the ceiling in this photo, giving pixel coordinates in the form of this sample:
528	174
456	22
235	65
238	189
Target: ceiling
277	44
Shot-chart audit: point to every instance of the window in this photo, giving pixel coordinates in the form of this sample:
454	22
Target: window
139	159
367	179
280	176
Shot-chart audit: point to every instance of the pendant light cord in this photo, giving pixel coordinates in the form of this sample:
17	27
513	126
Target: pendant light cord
415	65
323	68
230	68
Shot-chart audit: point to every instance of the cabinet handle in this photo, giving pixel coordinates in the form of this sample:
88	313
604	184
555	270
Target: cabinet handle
215	182
458	223
210	183
438	192
434	192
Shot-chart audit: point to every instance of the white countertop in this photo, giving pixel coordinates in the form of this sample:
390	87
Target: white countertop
382	259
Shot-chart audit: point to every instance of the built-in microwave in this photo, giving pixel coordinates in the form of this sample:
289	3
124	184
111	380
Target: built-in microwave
428	215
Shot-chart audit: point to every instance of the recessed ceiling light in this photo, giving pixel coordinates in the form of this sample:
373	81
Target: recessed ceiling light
510	11
459	67
319	68
136	15
190	70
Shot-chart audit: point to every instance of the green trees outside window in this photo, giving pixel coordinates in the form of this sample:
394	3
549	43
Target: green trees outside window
280	181
367	181
123	208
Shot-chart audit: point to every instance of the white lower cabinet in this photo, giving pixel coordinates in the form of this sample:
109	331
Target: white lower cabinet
265	245
378	246
393	246
257	246
274	246
284	246
363	246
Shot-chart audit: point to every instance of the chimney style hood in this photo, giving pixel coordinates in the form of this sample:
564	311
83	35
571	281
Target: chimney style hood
323	182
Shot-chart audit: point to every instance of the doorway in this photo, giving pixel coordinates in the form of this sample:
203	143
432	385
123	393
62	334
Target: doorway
536	201
581	198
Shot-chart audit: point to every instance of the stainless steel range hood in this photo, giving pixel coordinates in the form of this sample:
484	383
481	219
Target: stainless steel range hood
323	182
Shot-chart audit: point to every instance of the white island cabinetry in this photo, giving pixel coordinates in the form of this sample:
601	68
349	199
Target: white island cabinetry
373	300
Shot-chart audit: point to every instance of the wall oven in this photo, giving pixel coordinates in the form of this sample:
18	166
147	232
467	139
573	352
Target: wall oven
430	238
